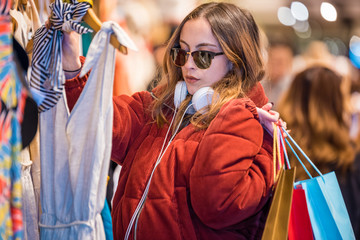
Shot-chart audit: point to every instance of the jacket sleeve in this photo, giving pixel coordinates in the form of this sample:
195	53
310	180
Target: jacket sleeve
231	178
131	113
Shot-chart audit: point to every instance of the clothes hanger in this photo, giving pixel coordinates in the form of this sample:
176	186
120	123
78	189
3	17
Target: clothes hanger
94	22
16	4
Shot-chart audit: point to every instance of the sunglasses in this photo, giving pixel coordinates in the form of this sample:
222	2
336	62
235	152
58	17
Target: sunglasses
202	59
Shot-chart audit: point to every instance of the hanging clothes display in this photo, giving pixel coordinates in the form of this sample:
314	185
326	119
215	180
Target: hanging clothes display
30	214
23	27
47	77
25	20
28	131
13	98
75	151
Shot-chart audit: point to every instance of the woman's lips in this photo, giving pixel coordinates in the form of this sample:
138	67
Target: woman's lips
191	79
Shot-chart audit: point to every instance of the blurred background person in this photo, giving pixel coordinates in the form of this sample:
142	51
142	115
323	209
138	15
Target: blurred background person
136	69
315	109
318	52
279	71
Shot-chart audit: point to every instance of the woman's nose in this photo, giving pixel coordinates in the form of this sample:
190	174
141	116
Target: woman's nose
190	62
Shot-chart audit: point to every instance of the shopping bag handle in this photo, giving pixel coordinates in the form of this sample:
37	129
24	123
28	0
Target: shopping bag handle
277	163
302	164
281	136
303	153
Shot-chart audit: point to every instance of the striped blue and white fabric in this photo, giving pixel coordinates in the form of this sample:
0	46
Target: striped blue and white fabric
47	76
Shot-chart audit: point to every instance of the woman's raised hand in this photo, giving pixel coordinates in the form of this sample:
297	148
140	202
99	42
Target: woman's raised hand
70	52
268	116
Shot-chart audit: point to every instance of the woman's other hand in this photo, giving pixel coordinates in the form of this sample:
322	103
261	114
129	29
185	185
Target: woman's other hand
268	116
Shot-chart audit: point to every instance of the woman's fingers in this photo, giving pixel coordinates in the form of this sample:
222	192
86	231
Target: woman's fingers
268	106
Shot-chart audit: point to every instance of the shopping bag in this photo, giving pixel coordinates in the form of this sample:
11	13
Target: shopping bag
328	214
327	210
299	224
276	226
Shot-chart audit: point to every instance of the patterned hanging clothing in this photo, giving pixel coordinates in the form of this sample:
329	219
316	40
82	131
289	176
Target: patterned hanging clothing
13	98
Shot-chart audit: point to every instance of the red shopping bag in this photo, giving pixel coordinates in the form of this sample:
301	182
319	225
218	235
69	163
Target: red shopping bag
299	224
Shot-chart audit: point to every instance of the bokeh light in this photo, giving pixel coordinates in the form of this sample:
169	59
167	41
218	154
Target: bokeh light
299	11
328	12
285	16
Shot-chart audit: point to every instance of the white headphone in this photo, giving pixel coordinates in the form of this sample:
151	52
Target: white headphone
200	99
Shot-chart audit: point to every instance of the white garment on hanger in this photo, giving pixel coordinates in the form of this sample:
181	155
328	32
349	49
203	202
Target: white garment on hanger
35	171
29	203
21	33
75	151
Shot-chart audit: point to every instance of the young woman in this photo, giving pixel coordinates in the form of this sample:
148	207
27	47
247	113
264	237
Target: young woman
211	168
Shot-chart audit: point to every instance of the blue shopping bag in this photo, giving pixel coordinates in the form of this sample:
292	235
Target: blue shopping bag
328	214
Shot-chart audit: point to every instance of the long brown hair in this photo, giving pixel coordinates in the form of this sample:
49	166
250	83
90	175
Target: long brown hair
238	35
314	109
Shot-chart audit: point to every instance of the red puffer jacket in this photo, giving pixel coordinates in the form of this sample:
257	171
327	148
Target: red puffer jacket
210	184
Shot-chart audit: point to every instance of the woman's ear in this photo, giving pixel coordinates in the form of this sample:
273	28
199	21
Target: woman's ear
230	66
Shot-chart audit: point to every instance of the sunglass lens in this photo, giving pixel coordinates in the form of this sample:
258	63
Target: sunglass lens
178	56
202	59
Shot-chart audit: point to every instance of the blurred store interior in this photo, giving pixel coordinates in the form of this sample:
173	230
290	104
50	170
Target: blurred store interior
298	23
334	23
337	22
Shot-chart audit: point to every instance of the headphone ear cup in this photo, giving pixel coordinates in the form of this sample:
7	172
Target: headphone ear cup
180	93
202	98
